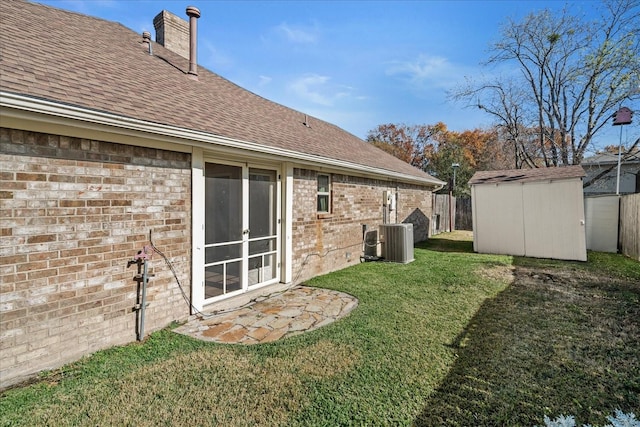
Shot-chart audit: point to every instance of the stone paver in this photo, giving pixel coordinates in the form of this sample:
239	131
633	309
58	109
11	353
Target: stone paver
302	324
333	308
259	333
269	319
233	335
263	321
216	330
291	312
274	335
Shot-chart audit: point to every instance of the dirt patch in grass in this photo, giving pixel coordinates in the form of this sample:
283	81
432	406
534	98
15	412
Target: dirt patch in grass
498	272
563	338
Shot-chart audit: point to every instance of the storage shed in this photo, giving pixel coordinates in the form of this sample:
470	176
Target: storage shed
530	212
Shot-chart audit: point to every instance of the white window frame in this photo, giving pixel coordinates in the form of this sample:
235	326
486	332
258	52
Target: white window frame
323	193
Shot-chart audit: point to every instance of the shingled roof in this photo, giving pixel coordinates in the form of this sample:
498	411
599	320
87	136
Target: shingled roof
82	61
526	175
610	158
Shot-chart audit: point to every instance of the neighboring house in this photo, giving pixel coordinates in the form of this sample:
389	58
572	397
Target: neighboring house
629	174
109	140
530	212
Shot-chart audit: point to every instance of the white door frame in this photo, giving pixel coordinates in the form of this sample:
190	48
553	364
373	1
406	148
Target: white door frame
199	159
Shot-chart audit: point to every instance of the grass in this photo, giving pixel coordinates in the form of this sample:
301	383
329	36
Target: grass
453	338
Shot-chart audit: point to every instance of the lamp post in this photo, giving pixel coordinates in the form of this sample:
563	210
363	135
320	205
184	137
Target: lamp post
621	117
455	166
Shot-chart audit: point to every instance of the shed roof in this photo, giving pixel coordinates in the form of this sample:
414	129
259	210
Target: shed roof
526	175
82	61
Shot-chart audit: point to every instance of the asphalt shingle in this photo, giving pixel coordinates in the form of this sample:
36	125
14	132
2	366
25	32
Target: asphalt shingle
526	175
97	64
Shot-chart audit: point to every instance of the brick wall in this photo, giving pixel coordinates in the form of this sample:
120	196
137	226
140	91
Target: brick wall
324	243
415	205
73	212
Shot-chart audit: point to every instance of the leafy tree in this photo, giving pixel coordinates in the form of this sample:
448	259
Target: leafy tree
434	149
405	142
452	151
471	150
573	75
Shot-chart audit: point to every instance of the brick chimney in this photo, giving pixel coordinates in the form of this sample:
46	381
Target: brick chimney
172	32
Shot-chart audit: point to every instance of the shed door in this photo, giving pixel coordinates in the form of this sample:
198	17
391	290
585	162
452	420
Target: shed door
554	220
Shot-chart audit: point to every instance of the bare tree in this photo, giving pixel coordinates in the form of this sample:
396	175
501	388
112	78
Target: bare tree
572	76
505	100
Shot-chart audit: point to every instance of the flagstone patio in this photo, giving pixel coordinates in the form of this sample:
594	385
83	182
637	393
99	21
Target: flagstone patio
270	318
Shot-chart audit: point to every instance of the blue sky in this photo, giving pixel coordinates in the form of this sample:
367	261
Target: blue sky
356	64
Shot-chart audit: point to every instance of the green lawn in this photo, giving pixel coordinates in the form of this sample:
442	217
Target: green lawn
453	338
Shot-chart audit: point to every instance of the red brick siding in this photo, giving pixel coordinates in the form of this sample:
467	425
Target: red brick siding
324	243
74	211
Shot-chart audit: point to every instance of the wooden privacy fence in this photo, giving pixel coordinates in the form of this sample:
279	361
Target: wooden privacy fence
630	225
460	212
441	213
464	218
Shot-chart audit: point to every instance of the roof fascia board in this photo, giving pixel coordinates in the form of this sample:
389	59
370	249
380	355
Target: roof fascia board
531	181
131	126
28	121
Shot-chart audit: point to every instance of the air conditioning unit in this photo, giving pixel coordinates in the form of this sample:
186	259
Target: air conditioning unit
397	242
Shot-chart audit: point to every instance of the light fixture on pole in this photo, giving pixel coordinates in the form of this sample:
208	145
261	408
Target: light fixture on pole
455	166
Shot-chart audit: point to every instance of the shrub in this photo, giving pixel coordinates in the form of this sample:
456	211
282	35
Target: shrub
619	420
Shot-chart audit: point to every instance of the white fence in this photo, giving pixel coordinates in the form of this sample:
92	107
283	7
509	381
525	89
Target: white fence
613	224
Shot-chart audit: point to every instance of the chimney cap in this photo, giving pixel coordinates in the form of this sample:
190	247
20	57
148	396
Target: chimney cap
193	12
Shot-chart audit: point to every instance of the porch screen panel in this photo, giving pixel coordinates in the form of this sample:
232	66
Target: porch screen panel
262	226
223	229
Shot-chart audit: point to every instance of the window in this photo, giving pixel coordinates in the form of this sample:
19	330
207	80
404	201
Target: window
324	194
